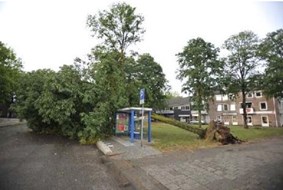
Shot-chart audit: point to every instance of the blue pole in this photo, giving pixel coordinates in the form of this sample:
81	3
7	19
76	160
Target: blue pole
132	125
149	127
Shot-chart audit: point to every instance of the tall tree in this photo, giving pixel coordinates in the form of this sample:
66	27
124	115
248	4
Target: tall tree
241	65
199	67
118	28
10	70
271	50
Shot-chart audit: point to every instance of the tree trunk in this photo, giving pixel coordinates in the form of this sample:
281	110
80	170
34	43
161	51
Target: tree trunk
199	101
244	109
199	118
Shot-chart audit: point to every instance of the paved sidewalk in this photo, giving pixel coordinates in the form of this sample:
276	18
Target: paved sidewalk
256	166
10	121
122	148
247	166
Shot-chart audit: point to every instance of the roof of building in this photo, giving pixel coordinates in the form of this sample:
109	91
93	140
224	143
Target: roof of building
178	101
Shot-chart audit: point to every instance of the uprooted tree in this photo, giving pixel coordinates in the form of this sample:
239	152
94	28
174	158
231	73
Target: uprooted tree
215	131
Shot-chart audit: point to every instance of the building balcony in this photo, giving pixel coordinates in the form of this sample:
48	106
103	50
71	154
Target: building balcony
248	110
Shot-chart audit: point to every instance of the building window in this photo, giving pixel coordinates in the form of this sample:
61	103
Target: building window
225	97
262	106
233	107
225	107
258	94
219	107
249	95
185	108
219	118
264	119
249	120
234	119
218	97
248	105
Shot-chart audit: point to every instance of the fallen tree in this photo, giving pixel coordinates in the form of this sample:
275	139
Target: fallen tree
199	131
215	131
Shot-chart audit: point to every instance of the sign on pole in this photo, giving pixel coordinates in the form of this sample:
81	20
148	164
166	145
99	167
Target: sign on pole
142	95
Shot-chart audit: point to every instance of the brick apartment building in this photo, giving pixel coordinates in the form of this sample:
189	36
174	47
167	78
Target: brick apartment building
261	110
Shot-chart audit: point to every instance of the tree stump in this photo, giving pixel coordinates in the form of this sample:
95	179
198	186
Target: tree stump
217	131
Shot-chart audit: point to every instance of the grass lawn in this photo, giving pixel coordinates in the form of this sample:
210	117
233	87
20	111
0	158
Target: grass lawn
255	133
167	137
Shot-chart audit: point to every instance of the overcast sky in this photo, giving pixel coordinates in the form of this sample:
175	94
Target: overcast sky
48	34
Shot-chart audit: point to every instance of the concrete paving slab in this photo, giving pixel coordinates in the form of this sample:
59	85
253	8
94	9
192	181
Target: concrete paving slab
122	148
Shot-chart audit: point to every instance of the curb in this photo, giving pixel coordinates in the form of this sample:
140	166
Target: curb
104	148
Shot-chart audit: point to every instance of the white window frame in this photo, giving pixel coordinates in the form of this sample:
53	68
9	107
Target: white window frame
234	122
233	107
260	94
218	97
265	106
264	124
225	97
219	107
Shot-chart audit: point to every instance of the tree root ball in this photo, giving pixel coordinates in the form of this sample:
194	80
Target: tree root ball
217	131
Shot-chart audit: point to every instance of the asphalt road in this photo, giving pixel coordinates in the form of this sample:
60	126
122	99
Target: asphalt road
30	161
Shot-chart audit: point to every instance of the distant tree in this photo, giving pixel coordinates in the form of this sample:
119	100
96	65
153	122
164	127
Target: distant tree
199	69
151	77
170	94
241	66
271	50
10	70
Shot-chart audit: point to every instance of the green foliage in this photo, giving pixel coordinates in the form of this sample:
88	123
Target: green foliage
110	93
30	89
10	71
55	102
146	73
271	51
152	78
193	129
199	68
119	27
80	100
241	65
